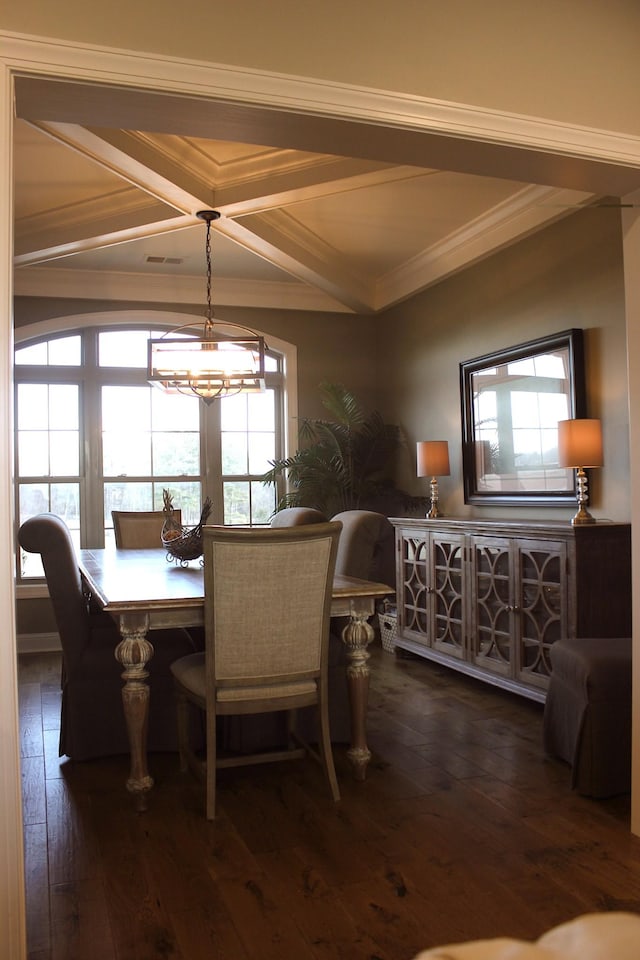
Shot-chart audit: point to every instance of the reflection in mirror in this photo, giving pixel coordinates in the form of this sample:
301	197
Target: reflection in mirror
512	402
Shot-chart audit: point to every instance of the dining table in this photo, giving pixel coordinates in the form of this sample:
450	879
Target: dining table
147	590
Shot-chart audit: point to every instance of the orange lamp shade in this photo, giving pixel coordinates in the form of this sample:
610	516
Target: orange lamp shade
433	458
580	443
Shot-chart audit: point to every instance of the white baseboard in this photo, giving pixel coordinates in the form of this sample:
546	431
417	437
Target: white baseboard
38	643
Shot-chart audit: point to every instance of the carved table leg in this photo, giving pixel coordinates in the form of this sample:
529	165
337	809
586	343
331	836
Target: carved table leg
356	636
134	652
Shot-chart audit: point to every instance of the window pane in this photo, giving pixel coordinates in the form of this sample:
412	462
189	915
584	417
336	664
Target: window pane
33	499
263	502
64	459
236	503
33	453
65	502
33	406
123	348
233	412
261	413
176	454
186	496
127	496
65	352
63	406
36	354
126	438
126	454
174	412
234	453
261	451
126	409
61	352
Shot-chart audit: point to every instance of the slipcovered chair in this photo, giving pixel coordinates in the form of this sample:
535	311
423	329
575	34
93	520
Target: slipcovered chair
92	719
587	712
266	647
295	516
367	546
140	529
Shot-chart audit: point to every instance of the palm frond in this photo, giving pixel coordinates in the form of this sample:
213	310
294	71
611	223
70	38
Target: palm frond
343	463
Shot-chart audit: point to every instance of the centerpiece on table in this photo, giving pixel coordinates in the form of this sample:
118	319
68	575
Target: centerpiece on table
182	543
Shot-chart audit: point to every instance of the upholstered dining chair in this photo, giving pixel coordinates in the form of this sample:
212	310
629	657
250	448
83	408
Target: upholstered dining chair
295	516
267	614
366	550
140	529
92	719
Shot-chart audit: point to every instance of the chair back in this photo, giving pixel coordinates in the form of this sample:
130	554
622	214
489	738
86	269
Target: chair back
140	529
267	602
48	535
367	546
295	516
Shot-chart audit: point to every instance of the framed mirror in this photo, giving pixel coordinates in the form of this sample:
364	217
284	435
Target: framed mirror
512	401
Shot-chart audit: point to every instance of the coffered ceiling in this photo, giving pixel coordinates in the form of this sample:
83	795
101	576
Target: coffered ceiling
109	212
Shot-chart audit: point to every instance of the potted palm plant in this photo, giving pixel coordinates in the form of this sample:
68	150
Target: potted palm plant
345	462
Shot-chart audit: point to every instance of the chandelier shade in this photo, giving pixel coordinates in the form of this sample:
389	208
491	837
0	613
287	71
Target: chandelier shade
217	364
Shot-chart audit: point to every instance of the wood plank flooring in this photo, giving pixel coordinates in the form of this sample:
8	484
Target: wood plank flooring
463	829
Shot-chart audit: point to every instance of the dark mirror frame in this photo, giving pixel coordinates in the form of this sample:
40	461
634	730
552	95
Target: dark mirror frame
569	344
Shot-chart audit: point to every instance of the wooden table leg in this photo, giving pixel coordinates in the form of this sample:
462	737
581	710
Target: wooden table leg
356	636
134	652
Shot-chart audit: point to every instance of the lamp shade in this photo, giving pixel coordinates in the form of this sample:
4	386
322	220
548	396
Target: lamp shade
580	443
433	458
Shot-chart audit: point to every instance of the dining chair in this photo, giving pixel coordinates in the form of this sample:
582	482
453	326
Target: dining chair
140	529
268	599
366	550
92	719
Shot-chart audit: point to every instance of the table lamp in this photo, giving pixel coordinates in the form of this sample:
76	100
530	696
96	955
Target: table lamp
433	461
580	446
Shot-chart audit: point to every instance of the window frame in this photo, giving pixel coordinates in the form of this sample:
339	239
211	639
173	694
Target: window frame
90	378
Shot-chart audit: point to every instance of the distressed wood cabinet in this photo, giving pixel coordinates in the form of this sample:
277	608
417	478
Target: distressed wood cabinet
490	597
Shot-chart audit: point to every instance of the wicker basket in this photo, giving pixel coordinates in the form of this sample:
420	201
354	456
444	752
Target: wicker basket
388	630
184	543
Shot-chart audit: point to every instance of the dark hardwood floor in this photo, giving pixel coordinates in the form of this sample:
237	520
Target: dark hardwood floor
463	829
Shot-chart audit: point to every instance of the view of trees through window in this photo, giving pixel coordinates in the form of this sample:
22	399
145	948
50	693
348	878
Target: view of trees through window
92	436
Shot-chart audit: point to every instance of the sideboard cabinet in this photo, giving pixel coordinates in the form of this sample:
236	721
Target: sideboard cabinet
490	598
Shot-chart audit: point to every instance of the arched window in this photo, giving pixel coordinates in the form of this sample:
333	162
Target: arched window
92	436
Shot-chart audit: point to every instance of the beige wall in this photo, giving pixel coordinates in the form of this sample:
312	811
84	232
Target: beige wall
569	275
573	61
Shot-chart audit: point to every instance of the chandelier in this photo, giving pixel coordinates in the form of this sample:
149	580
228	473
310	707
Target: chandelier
215	365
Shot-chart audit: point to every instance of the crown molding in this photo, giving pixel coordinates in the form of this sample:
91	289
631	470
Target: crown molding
59	59
99	285
531	209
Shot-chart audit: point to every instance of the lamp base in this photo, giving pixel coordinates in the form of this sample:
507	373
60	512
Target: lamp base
582	516
434	512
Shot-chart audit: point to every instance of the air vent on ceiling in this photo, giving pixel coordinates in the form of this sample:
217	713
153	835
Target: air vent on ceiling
170	260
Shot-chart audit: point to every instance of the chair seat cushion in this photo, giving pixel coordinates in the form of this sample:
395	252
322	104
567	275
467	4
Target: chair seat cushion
300	689
190	673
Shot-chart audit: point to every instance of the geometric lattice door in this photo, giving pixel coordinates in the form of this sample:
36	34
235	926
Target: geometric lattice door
492	616
542	606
